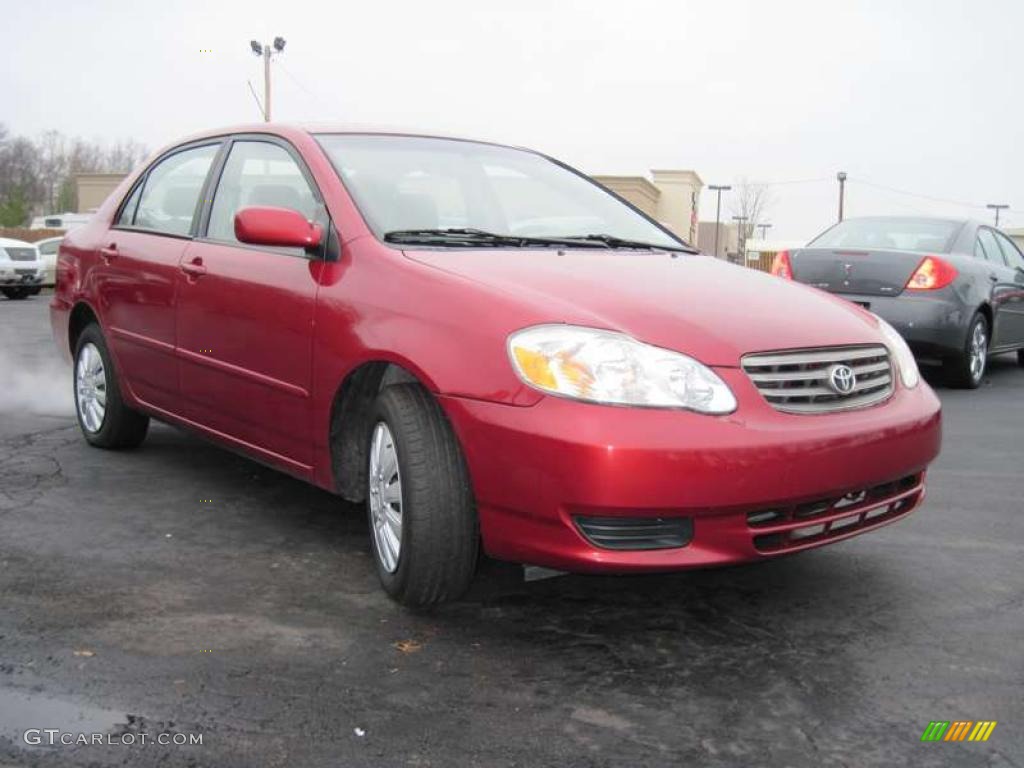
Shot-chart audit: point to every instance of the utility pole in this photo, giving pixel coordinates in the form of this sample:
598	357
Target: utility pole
997	207
842	191
266	50
741	237
764	229
718	211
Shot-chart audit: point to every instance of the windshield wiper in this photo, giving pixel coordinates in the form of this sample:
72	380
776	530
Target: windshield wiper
469	237
610	241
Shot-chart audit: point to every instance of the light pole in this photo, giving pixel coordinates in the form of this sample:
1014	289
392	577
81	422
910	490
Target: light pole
764	229
841	176
718	210
997	207
266	51
741	237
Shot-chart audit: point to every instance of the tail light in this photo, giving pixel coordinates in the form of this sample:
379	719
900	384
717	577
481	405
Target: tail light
782	266
931	274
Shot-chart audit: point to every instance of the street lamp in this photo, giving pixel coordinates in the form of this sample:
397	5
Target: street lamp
764	229
997	207
718	210
266	51
841	176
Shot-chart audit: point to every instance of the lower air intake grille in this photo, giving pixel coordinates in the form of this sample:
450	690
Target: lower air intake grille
822	380
777	529
636	532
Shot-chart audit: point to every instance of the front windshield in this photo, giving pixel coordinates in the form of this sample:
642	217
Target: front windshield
405	183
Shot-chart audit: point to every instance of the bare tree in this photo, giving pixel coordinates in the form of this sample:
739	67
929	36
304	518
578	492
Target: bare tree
750	201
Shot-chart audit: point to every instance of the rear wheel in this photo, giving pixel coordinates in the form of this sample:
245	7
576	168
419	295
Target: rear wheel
423	524
105	420
966	370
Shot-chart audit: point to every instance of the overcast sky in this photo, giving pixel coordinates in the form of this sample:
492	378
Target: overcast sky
922	96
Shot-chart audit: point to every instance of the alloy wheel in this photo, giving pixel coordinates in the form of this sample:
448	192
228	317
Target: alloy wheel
91	387
385	483
979	351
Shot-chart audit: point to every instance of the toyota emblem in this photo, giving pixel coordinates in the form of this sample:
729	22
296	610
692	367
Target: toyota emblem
842	379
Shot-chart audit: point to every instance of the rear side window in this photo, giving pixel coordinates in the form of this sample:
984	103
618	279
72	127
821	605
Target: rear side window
988	243
1010	251
50	248
172	189
258	173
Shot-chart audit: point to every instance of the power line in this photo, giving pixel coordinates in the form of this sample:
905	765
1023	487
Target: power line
932	198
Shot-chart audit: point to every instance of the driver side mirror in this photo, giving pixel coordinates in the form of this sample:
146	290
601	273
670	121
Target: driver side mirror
281	227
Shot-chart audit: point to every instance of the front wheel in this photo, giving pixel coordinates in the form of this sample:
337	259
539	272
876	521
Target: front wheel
15	293
966	369
423	523
1020	357
104	418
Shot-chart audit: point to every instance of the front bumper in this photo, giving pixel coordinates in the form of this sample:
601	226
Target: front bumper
14	280
933	324
537	470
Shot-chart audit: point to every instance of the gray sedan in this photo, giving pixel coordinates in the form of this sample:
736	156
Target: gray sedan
953	288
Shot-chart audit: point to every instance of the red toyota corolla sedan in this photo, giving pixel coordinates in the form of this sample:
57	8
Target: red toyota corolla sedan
491	351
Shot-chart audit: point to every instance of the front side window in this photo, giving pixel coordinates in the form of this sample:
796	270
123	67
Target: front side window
127	217
890	234
258	173
171	191
403	183
49	248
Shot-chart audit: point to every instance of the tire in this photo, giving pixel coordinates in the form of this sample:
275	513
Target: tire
1020	357
118	426
966	370
14	294
35	291
438	533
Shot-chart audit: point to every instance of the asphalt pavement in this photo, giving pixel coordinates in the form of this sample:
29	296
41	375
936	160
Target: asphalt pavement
185	591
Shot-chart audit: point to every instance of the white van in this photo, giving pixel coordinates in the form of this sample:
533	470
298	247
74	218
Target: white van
63	221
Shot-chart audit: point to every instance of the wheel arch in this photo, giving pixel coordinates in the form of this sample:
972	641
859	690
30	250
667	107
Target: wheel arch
349	423
82	314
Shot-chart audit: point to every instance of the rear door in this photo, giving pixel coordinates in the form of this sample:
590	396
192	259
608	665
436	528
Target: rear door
1014	306
1004	288
245	313
136	273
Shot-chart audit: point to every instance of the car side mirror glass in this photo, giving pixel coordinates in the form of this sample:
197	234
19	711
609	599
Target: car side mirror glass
280	227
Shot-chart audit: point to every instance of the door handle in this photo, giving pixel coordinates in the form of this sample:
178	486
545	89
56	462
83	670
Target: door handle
193	268
109	253
993	278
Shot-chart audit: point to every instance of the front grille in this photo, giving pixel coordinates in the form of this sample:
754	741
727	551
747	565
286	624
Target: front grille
779	529
25	272
21	254
800	381
636	532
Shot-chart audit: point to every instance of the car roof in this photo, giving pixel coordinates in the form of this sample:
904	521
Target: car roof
313	128
9	241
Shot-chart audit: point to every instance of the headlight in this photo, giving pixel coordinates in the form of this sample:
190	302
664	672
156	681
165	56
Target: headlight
612	368
904	357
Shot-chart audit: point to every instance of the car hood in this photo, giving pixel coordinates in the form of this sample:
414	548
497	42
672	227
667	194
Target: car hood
709	309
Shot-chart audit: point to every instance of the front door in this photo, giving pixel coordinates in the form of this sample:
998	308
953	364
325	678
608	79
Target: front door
245	314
